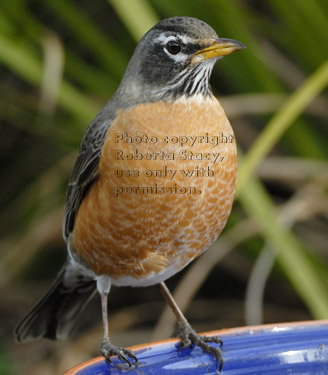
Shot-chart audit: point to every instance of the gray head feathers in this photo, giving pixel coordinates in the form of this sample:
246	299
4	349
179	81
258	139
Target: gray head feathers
154	74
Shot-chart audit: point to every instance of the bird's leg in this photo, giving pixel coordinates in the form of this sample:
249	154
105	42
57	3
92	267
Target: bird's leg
187	334
107	348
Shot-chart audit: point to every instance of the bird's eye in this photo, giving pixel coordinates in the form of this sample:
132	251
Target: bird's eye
173	47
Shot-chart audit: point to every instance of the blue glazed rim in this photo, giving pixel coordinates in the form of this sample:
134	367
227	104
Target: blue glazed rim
299	348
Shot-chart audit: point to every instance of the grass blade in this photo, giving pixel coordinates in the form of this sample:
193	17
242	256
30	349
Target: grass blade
281	121
137	15
21	61
290	253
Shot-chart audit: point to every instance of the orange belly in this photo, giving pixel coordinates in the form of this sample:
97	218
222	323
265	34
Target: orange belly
158	201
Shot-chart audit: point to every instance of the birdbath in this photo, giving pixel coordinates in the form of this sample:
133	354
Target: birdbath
299	348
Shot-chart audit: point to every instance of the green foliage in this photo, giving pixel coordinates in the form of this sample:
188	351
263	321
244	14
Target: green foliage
6	366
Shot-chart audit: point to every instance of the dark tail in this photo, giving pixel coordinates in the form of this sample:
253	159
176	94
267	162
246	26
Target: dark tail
54	316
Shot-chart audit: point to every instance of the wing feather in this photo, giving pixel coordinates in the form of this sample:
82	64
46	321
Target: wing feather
86	166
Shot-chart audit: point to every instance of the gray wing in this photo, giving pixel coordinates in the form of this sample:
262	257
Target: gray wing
86	166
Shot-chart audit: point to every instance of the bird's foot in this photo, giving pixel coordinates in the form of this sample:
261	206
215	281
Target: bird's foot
189	337
108	349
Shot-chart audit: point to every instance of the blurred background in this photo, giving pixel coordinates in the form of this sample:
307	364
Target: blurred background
61	60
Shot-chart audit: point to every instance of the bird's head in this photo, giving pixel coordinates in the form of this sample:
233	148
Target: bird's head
175	58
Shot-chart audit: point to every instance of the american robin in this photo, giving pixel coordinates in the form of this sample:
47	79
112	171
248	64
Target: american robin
153	184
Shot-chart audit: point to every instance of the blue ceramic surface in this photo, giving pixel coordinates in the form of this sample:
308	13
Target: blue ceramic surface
273	350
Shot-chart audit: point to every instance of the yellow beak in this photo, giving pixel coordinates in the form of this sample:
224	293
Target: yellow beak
220	47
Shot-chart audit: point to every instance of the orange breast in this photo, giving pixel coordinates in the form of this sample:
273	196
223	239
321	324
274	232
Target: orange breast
165	189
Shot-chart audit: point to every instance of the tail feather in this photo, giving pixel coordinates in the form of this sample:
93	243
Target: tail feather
54	316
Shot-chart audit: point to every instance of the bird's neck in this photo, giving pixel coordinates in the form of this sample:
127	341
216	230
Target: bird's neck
191	83
188	83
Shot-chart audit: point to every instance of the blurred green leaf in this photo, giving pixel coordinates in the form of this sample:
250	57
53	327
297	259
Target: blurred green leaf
6	363
111	57
290	253
21	61
137	15
281	121
300	17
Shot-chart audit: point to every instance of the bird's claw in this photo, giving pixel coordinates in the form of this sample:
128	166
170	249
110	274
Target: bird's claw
107	349
189	336
215	339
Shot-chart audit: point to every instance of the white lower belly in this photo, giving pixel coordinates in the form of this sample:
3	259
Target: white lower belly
152	279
